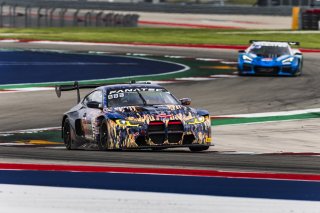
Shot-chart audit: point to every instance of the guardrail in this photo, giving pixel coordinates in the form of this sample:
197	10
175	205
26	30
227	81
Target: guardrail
25	15
285	2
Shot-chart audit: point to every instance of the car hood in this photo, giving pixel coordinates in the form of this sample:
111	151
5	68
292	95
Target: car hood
157	112
266	59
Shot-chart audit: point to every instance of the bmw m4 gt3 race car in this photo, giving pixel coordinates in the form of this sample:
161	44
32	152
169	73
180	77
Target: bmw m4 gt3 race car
270	58
132	116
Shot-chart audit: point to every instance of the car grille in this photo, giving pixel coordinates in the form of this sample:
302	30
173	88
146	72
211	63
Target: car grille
266	70
287	69
175	131
157	138
175	126
156	131
155	126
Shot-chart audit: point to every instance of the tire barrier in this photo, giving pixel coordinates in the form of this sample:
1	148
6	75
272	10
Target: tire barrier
310	19
14	15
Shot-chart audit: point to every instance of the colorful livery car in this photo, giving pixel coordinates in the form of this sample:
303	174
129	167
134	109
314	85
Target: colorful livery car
270	58
133	116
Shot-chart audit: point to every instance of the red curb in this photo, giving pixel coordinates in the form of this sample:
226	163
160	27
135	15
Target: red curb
170	24
309	50
159	171
209	46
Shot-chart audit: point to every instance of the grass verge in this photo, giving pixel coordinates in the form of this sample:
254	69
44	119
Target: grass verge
160	35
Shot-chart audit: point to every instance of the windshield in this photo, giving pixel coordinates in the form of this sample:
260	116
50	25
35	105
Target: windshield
269	51
136	98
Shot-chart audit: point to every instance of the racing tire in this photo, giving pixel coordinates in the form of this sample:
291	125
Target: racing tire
103	143
299	71
67	139
240	73
198	148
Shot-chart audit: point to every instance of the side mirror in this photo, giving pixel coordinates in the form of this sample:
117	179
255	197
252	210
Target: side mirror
241	51
94	104
185	101
298	54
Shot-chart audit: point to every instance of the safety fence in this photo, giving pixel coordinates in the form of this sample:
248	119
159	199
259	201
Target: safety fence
148	6
15	15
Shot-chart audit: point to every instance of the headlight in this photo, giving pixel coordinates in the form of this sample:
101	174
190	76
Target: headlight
122	122
247	58
196	120
288	60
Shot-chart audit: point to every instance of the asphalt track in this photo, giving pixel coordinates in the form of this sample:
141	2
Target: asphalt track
38	67
225	96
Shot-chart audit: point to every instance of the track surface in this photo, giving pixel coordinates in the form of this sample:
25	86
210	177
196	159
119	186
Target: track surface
171	158
225	96
222	96
38	67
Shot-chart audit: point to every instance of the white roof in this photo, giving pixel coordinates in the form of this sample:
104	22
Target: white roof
270	43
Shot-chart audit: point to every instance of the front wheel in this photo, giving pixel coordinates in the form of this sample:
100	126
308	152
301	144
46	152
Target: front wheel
103	143
67	139
299	71
240	72
198	148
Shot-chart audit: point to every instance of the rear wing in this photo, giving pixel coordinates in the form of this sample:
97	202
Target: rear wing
75	86
297	43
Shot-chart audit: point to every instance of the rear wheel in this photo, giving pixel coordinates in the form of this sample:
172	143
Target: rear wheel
67	134
198	148
103	143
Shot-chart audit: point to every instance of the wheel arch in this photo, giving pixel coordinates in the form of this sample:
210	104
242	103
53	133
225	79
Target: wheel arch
100	119
202	112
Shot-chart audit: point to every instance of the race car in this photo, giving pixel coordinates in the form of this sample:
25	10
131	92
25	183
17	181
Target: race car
133	116
270	58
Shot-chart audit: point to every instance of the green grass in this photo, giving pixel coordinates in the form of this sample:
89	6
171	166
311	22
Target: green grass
158	35
228	121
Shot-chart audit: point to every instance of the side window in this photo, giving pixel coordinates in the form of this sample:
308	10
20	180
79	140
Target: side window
94	96
97	96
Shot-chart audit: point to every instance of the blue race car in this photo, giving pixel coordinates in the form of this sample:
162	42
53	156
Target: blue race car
270	58
133	116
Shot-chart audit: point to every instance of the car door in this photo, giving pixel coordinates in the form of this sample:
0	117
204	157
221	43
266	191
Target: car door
90	114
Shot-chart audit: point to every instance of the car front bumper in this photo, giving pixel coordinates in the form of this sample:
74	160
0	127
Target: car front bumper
162	134
278	69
